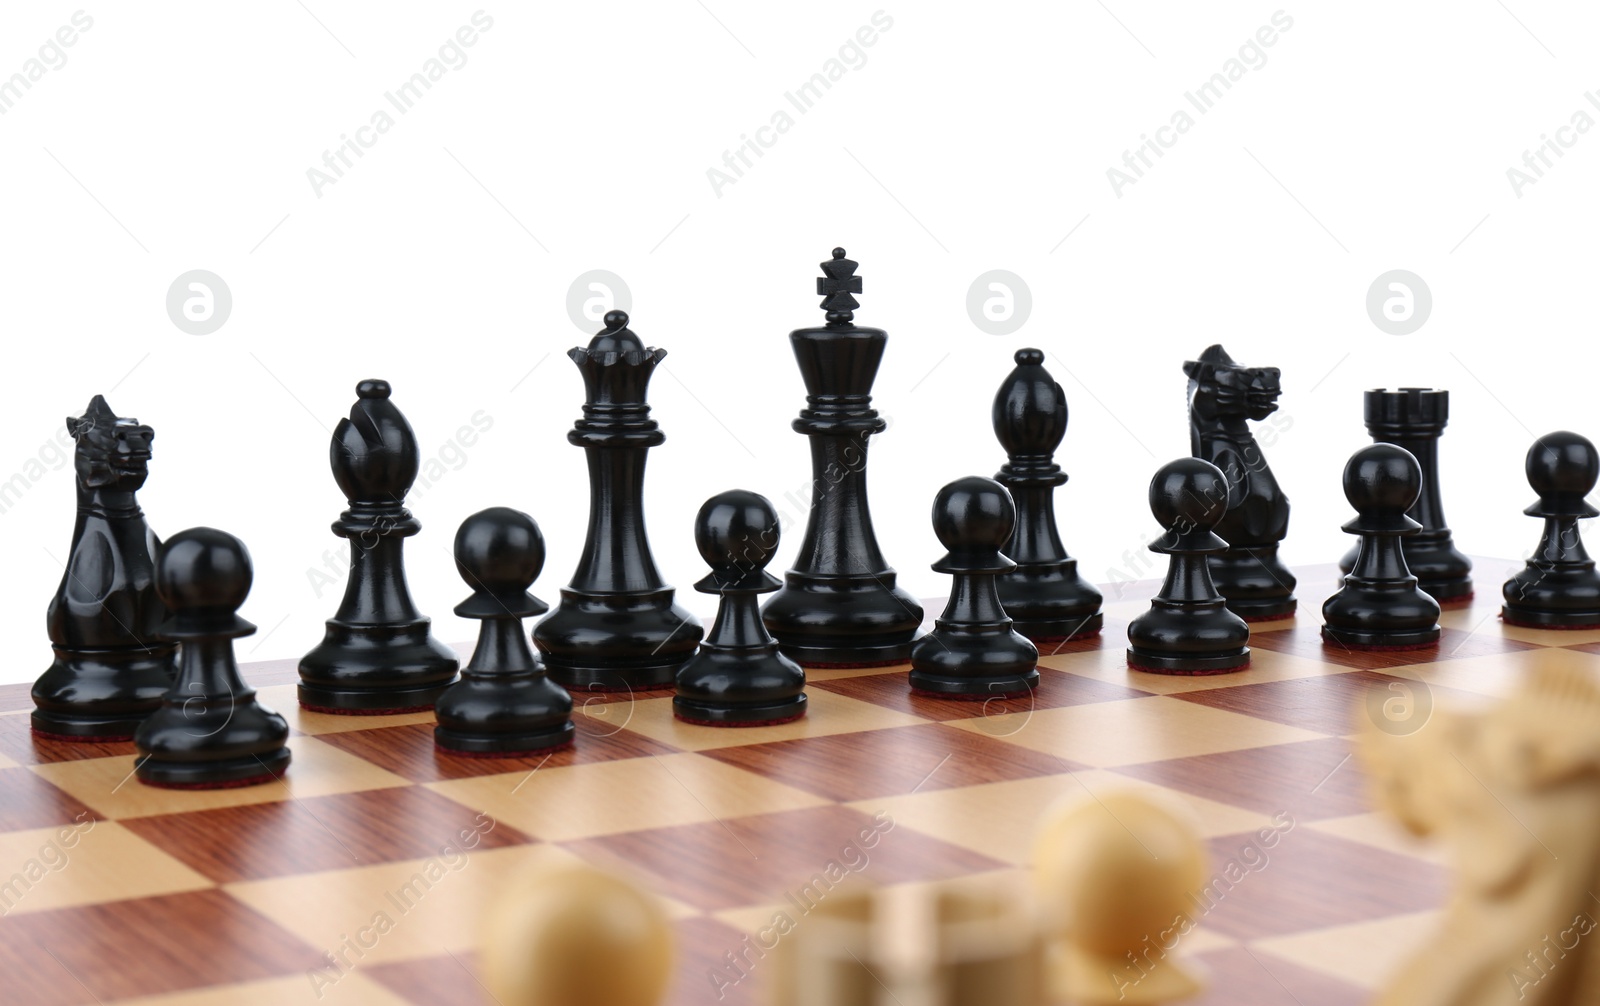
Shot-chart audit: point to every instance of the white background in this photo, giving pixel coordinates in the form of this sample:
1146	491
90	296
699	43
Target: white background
575	137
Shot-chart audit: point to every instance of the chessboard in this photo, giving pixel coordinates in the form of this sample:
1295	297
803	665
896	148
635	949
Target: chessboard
363	877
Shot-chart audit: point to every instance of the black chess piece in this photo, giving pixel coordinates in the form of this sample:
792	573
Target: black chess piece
839	606
1224	398
616	627
1188	628
1047	599
504	705
738	678
378	654
1381	605
210	732
1415	418
973	652
1558	588
111	668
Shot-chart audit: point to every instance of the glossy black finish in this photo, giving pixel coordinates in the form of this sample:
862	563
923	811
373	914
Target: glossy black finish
1381	605
504	705
378	654
973	652
1415	418
616	627
111	668
839	605
1224	398
210	731
1558	588
1188	629
1044	595
738	677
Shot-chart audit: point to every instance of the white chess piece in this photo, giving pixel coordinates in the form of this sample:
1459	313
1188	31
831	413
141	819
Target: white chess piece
575	936
1115	877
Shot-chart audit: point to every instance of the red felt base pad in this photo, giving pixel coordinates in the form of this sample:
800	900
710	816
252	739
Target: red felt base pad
253	780
970	697
1190	674
366	712
737	723
525	753
75	739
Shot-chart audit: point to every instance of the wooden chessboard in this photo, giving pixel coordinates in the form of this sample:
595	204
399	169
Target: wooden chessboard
117	891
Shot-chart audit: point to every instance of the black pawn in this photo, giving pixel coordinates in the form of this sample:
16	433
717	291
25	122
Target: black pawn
111	668
1380	606
1414	419
738	678
1188	629
1558	588
504	705
210	731
973	652
1047	599
377	655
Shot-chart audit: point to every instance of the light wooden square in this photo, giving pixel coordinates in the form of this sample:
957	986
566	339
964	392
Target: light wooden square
1000	819
1111	666
86	864
826	713
317	769
1133	731
580	801
1365	954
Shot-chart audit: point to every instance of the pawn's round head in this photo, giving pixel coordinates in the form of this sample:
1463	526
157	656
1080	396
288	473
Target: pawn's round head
574	936
1382	480
203	569
737	528
1563	464
1112	870
1189	494
974	514
499	550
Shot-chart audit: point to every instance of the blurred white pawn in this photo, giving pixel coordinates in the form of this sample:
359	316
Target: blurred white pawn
1114	877
575	936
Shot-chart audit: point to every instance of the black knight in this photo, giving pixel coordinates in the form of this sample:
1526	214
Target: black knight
1223	398
110	669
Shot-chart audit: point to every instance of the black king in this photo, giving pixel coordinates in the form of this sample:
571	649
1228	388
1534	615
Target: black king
839	604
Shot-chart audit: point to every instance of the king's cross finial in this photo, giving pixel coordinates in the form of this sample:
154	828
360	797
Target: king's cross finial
836	288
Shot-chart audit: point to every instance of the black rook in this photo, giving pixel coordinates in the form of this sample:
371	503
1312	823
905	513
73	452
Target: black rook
1414	419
